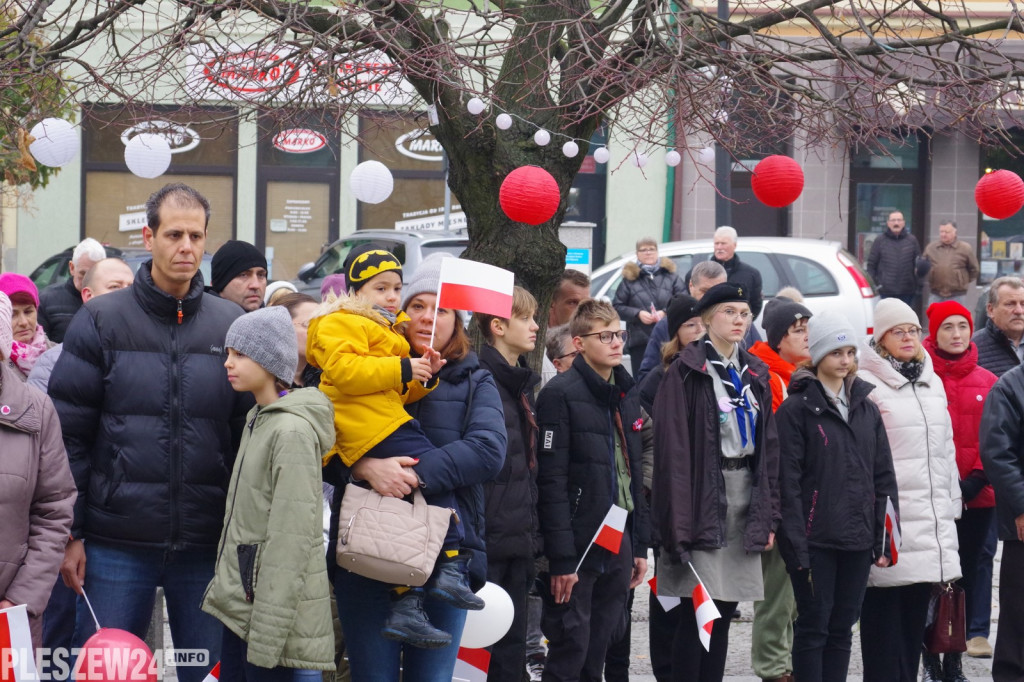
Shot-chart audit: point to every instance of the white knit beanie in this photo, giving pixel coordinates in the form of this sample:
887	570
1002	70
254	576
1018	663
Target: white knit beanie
6	331
828	331
890	312
268	337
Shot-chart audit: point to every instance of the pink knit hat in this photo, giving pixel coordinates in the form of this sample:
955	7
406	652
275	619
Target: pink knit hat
6	332
12	283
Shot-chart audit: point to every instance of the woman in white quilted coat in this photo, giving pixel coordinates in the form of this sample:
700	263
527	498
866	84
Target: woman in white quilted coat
912	401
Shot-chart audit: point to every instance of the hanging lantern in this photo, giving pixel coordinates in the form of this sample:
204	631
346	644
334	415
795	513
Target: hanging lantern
706	155
999	194
570	149
147	155
672	158
371	182
541	137
475	106
601	155
530	195
56	142
777	181
639	159
503	121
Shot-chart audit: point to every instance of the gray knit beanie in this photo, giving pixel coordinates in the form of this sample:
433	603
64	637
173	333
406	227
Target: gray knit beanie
268	337
890	312
828	331
425	278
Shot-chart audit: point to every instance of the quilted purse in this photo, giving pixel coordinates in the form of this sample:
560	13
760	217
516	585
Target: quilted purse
389	539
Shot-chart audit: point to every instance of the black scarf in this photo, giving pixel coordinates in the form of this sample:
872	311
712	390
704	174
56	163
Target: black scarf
737	386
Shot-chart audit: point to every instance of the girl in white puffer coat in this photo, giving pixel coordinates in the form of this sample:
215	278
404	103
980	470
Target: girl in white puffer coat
912	401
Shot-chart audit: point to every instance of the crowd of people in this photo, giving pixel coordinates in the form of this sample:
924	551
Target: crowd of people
161	433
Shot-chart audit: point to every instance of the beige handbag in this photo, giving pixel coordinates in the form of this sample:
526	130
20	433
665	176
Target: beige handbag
389	539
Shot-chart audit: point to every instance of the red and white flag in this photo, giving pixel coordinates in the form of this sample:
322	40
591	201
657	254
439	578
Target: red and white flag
471	665
892	529
479	287
609	533
17	661
213	675
667	603
705	610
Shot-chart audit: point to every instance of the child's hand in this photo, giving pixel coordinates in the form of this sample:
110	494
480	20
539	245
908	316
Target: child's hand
436	361
420	369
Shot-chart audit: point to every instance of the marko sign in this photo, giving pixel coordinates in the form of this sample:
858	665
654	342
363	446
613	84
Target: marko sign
299	141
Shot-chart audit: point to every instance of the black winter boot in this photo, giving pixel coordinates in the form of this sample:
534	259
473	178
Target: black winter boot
408	622
450	583
932	667
952	669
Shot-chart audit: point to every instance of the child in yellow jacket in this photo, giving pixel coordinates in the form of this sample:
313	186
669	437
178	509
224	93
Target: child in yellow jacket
369	376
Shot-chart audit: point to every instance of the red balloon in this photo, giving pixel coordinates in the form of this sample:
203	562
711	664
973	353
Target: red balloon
999	194
113	655
777	181
530	195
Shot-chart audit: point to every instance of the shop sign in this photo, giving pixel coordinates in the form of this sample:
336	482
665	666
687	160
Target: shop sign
420	145
299	141
181	138
252	71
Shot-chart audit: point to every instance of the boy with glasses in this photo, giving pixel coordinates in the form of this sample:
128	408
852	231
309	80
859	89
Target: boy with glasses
590	459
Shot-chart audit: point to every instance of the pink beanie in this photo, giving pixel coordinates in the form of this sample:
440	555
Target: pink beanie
12	283
6	332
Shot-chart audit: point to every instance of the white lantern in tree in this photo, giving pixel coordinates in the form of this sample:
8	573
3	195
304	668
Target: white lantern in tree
541	137
639	159
371	182
56	142
503	121
147	155
570	149
707	156
476	106
672	158
601	155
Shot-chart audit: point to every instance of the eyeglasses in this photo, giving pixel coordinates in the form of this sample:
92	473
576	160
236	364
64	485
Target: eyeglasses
900	334
606	337
732	313
568	355
648	249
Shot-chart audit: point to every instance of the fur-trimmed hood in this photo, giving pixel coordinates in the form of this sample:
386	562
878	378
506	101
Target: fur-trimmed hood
359	306
631	270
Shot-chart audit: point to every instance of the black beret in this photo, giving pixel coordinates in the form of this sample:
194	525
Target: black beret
680	309
726	292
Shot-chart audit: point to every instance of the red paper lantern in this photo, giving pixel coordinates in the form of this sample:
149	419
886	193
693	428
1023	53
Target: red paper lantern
530	195
777	181
999	194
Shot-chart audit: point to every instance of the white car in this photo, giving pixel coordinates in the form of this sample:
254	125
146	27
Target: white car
828	276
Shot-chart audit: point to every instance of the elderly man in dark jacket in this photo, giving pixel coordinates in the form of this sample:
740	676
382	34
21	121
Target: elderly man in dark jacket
151	425
999	341
59	302
895	261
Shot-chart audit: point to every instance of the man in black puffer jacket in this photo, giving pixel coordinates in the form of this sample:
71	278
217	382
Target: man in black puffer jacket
999	340
511	499
895	261
590	461
151	425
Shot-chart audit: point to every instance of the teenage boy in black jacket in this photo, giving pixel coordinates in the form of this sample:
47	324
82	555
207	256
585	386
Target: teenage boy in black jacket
590	459
511	499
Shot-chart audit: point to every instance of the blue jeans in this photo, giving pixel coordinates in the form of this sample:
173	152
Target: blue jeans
235	668
979	614
363	606
121	583
59	617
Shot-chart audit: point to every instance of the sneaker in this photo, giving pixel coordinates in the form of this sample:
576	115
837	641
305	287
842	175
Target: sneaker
535	667
978	647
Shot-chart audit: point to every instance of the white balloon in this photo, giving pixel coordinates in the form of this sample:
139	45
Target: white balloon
476	106
541	137
601	155
147	155
672	158
56	142
639	159
487	626
707	156
371	182
503	121
570	149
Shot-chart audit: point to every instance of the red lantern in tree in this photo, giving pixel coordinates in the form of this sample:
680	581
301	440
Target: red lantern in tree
530	195
777	181
999	194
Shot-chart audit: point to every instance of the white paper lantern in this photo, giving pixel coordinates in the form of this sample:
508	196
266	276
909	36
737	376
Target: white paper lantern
476	106
147	155
371	182
601	155
541	137
570	149
639	159
672	158
487	626
56	142
503	121
707	156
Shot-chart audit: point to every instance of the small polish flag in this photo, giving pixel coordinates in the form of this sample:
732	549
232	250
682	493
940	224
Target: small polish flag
17	661
705	610
892	529
609	533
667	603
214	675
471	665
479	287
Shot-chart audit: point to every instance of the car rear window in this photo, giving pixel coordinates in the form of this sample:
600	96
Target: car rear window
762	262
454	248
810	278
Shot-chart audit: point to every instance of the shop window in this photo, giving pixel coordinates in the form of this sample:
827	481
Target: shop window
1001	242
